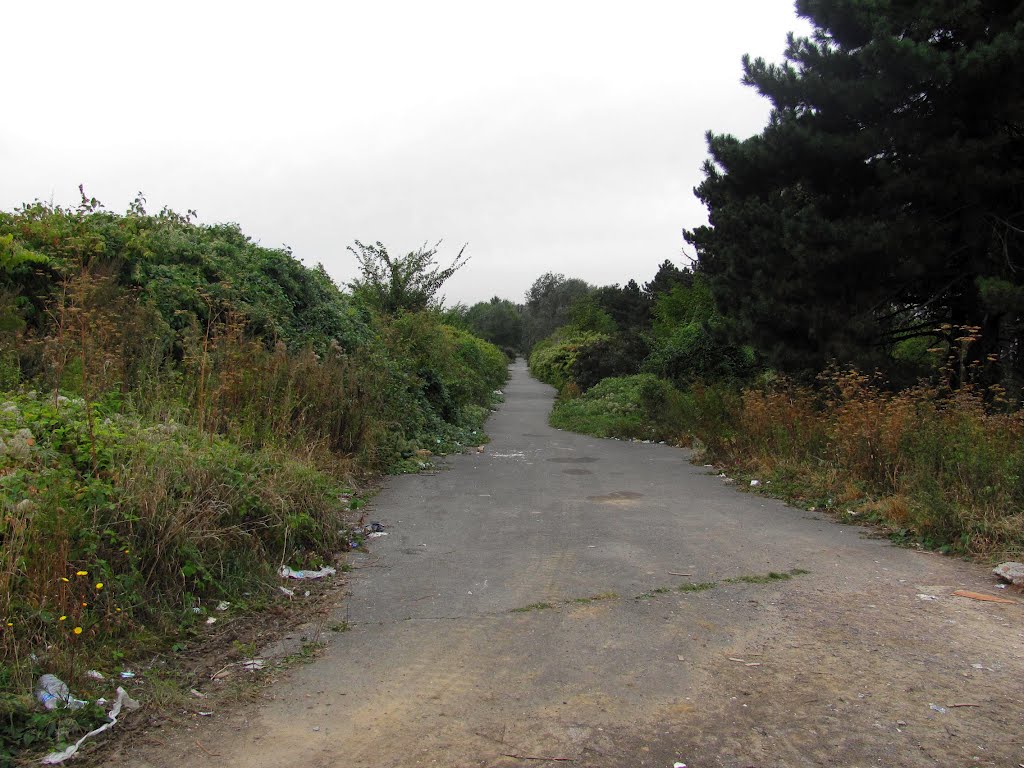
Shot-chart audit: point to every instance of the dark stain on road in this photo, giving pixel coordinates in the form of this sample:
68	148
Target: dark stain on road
577	471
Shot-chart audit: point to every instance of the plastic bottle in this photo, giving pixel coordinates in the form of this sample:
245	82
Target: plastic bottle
53	692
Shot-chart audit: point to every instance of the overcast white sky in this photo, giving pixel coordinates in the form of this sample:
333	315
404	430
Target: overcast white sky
561	136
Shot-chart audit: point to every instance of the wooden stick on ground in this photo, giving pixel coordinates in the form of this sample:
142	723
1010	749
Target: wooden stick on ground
551	759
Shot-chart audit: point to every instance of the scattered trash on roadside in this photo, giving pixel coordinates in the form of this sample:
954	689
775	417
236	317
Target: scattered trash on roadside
316	727
937	708
376	534
205	714
223	605
1012	572
755	483
678	765
197	694
289	573
983	597
211	620
373	527
53	693
123	700
927	597
95	675
288	592
249	665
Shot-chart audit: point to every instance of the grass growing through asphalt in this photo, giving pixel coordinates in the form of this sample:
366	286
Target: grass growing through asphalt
532	607
766	578
702	586
595	598
696	586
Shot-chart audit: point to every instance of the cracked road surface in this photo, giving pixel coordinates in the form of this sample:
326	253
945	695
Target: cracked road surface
526	607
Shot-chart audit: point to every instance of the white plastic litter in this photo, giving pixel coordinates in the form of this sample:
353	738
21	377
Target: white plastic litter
376	534
53	693
123	700
223	605
289	573
95	675
289	592
755	483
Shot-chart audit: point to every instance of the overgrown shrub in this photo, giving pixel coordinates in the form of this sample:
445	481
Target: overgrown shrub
552	359
619	355
641	406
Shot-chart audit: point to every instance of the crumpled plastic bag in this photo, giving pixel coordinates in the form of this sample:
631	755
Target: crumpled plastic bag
123	700
289	573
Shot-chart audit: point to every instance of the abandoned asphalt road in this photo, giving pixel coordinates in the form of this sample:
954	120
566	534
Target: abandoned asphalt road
525	606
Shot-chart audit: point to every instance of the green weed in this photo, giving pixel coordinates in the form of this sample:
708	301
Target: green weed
533	607
696	586
595	598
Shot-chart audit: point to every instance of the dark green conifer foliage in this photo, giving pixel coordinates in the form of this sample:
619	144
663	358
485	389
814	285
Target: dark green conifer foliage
886	195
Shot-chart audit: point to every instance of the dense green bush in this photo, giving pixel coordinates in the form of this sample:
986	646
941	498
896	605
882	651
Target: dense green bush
691	352
642	407
618	355
552	359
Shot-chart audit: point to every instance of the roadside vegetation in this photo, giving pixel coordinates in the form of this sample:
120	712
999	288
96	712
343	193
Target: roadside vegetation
849	332
183	411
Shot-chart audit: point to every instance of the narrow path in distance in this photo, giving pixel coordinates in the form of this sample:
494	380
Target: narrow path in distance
527	604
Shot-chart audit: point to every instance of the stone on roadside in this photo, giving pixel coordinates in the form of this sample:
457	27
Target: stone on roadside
1011	572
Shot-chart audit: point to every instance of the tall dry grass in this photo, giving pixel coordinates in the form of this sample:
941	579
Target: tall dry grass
942	467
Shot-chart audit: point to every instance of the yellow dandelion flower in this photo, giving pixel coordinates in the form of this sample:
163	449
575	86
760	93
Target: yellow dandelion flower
77	630
118	610
99	585
10	623
82	573
62	618
65	579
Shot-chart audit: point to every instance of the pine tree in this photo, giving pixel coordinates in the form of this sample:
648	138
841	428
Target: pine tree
885	197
